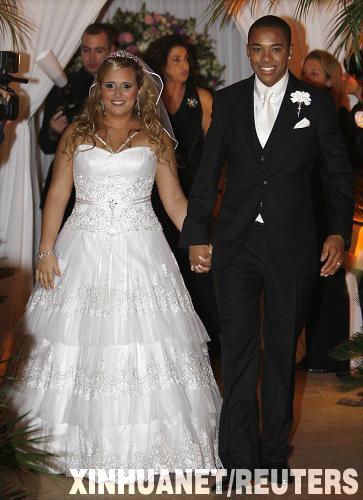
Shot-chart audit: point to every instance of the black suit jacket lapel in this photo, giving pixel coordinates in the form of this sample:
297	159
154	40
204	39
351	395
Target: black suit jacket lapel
286	118
245	118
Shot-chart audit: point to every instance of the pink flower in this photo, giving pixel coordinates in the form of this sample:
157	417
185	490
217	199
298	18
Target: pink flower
126	37
133	49
148	19
157	17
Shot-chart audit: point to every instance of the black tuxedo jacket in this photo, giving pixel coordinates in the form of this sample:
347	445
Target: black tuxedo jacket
275	181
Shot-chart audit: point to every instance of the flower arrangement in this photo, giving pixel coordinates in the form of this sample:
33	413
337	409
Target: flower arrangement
136	30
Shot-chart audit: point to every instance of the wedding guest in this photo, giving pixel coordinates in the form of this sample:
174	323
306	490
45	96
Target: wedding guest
117	374
328	318
356	71
323	70
189	108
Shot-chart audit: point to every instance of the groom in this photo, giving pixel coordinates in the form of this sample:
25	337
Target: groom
269	129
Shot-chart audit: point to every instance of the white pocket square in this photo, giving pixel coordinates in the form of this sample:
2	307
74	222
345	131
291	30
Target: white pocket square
302	123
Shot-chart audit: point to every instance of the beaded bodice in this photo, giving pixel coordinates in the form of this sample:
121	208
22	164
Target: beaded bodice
113	190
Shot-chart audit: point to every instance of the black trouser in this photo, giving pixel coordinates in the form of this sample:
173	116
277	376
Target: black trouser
285	303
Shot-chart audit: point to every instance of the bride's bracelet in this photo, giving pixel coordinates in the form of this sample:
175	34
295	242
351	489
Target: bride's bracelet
41	255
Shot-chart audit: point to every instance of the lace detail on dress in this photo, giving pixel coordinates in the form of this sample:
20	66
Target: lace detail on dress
160	293
112	187
113	204
197	449
114	221
116	375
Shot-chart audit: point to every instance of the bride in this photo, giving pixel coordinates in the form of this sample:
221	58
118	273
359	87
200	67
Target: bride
112	358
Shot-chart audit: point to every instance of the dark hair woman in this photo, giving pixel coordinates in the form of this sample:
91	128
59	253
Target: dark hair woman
189	108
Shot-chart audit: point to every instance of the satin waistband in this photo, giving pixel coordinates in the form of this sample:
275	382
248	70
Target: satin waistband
114	203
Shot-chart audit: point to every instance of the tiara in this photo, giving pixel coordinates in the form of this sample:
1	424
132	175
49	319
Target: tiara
123	54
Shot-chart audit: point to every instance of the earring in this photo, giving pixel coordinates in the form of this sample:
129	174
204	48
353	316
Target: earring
103	108
138	112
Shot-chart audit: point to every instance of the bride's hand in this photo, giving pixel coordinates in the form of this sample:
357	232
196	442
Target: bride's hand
45	270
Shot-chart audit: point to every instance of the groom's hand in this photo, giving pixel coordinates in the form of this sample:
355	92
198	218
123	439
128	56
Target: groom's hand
332	255
200	257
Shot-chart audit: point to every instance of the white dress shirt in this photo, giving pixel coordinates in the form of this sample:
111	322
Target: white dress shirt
277	94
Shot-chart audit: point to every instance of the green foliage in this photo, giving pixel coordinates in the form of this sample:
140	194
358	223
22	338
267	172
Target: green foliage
18	439
351	349
136	30
12	22
346	28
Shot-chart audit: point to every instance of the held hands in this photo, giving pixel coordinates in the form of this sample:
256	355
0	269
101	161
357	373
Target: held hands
332	255
45	270
200	257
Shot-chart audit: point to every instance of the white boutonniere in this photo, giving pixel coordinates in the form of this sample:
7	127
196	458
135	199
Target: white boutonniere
301	98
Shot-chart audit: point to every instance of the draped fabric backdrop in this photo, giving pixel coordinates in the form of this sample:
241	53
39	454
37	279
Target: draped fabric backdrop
230	48
58	25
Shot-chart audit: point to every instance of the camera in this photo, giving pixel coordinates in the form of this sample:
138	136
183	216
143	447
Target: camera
9	101
49	63
70	106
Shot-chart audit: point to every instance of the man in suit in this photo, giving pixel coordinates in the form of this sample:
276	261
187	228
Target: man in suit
269	129
97	43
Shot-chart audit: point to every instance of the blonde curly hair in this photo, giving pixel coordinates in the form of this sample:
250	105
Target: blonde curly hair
91	117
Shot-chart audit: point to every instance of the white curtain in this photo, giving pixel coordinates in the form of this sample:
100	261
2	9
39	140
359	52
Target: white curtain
58	25
307	34
230	48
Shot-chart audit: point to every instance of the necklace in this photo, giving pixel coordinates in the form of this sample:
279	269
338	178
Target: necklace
108	147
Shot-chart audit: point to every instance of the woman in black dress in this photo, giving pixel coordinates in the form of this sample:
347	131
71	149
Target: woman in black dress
328	319
189	108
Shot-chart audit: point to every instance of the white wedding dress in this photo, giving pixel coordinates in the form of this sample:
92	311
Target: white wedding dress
113	361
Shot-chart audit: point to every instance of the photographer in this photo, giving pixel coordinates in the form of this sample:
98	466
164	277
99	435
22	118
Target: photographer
60	107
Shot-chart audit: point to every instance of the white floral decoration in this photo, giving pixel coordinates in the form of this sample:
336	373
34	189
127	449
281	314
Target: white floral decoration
300	97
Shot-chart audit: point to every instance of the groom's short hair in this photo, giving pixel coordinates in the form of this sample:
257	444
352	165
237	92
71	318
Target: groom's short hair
271	22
